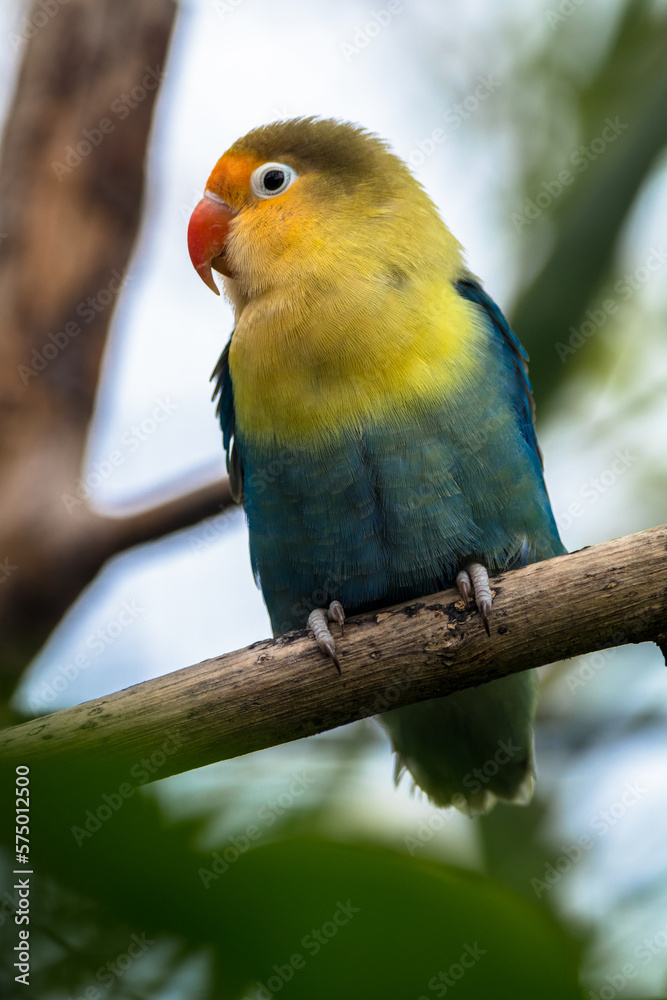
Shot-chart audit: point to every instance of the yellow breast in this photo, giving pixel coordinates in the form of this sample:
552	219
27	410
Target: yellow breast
313	363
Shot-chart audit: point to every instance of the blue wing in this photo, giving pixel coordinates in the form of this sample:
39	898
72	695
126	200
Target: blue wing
521	391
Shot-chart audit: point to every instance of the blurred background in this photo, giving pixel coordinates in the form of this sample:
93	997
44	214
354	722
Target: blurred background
539	129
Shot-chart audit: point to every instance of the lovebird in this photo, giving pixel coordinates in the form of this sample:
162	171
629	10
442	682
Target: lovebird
378	421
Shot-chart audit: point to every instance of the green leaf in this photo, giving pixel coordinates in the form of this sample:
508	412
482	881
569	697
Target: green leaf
314	919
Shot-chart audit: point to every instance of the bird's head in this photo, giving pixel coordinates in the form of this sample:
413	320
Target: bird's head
300	201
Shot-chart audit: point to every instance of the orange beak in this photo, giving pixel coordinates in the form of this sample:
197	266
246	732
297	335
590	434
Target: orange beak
207	234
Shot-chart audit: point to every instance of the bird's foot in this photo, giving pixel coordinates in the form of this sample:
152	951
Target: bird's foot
475	579
318	622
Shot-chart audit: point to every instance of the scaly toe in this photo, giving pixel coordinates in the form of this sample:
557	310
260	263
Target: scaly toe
478	577
336	614
318	622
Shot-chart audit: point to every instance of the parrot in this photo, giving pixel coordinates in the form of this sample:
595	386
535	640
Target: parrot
378	422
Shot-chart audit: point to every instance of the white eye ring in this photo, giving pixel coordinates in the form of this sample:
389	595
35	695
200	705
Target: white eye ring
269	172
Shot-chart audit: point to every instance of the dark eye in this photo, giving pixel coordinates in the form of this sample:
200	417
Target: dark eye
272	179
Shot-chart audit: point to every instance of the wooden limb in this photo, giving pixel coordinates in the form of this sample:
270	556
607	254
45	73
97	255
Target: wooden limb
283	689
150	525
71	191
95	538
54	566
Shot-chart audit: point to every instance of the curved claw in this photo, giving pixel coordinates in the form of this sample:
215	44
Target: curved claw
330	650
484	609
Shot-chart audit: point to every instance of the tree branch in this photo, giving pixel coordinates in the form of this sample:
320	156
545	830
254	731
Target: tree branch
71	190
94	538
283	689
150	525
